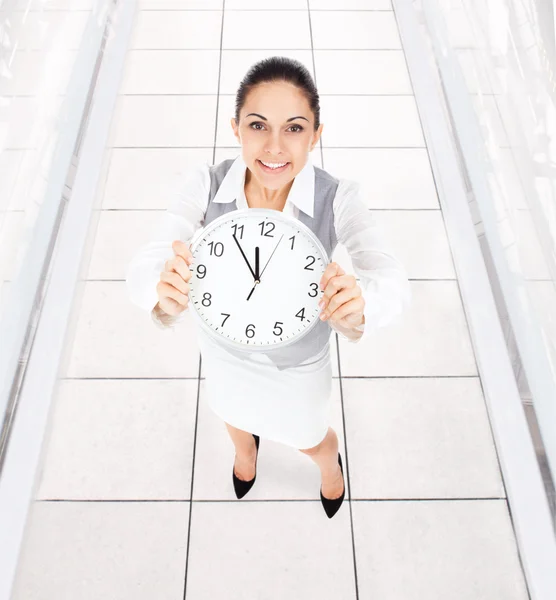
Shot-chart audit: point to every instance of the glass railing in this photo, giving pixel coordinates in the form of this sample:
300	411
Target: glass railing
496	60
49	53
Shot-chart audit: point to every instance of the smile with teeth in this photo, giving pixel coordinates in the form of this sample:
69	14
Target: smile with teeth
274	166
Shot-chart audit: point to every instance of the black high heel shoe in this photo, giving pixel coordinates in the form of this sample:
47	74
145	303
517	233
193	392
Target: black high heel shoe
331	507
242	487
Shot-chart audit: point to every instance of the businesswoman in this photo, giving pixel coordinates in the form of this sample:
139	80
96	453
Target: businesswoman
277	123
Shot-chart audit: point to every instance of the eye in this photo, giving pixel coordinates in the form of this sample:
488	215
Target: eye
299	126
255	123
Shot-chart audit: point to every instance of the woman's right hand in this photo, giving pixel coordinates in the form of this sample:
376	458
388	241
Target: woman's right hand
173	288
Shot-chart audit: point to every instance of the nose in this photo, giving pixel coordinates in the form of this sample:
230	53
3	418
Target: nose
273	145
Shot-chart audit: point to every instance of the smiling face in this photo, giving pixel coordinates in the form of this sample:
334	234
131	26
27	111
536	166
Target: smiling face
276	126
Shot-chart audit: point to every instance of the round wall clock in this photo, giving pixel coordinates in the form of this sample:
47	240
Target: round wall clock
255	279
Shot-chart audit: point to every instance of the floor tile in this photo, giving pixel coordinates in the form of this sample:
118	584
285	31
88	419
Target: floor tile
339	72
177	30
112	252
420	438
317	564
389	177
92	550
224	132
121	440
435	550
266	29
416	238
430	339
236	64
374	121
162	121
350	4
115	338
283	473
180	4
171	72
334	355
144	178
266	4
354	30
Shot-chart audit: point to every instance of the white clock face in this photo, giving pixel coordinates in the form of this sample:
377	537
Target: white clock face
256	276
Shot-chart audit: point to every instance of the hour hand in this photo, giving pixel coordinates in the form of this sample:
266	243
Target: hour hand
244	257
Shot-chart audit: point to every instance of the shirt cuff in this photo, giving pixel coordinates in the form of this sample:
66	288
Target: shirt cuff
165	321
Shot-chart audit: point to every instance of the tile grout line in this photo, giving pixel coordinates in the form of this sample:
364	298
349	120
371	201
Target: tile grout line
347	468
261	501
163	209
347	478
194	378
420	148
177	94
259	49
262	10
192	478
200	356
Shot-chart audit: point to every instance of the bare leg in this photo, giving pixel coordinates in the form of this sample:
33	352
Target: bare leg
326	457
246	453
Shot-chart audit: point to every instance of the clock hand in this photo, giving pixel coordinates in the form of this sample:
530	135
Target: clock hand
256	271
270	257
257	263
244	257
251	292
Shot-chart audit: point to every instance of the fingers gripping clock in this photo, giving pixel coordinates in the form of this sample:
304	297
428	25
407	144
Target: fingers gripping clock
255	282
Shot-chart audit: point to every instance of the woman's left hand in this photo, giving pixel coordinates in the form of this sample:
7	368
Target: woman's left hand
342	302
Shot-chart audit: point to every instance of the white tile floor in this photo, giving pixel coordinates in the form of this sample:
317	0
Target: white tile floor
135	499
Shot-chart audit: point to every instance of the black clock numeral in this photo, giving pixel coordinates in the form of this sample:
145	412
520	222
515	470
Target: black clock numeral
201	273
308	265
293	241
227	316
236	228
207	297
250	331
301	314
314	289
271	226
277	326
216	248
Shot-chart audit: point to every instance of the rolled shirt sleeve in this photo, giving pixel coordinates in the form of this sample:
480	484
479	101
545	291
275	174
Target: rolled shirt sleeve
383	279
183	217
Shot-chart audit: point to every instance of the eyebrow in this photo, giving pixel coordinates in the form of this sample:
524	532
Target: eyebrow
265	119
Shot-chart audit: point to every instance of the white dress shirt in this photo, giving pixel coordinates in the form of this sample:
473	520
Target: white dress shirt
382	278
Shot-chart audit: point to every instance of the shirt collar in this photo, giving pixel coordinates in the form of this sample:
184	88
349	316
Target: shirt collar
302	192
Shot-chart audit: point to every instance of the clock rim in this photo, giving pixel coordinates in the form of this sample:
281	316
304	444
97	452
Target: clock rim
254	212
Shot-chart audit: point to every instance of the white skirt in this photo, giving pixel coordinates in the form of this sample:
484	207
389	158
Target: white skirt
291	406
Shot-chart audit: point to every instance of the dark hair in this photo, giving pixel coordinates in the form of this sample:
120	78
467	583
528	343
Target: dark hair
280	68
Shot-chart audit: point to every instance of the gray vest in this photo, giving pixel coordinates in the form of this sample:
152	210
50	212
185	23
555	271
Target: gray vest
322	225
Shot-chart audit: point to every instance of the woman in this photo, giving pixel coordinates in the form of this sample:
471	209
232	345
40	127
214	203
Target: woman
277	123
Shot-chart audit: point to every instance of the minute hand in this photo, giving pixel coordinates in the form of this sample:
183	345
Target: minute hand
244	257
261	274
